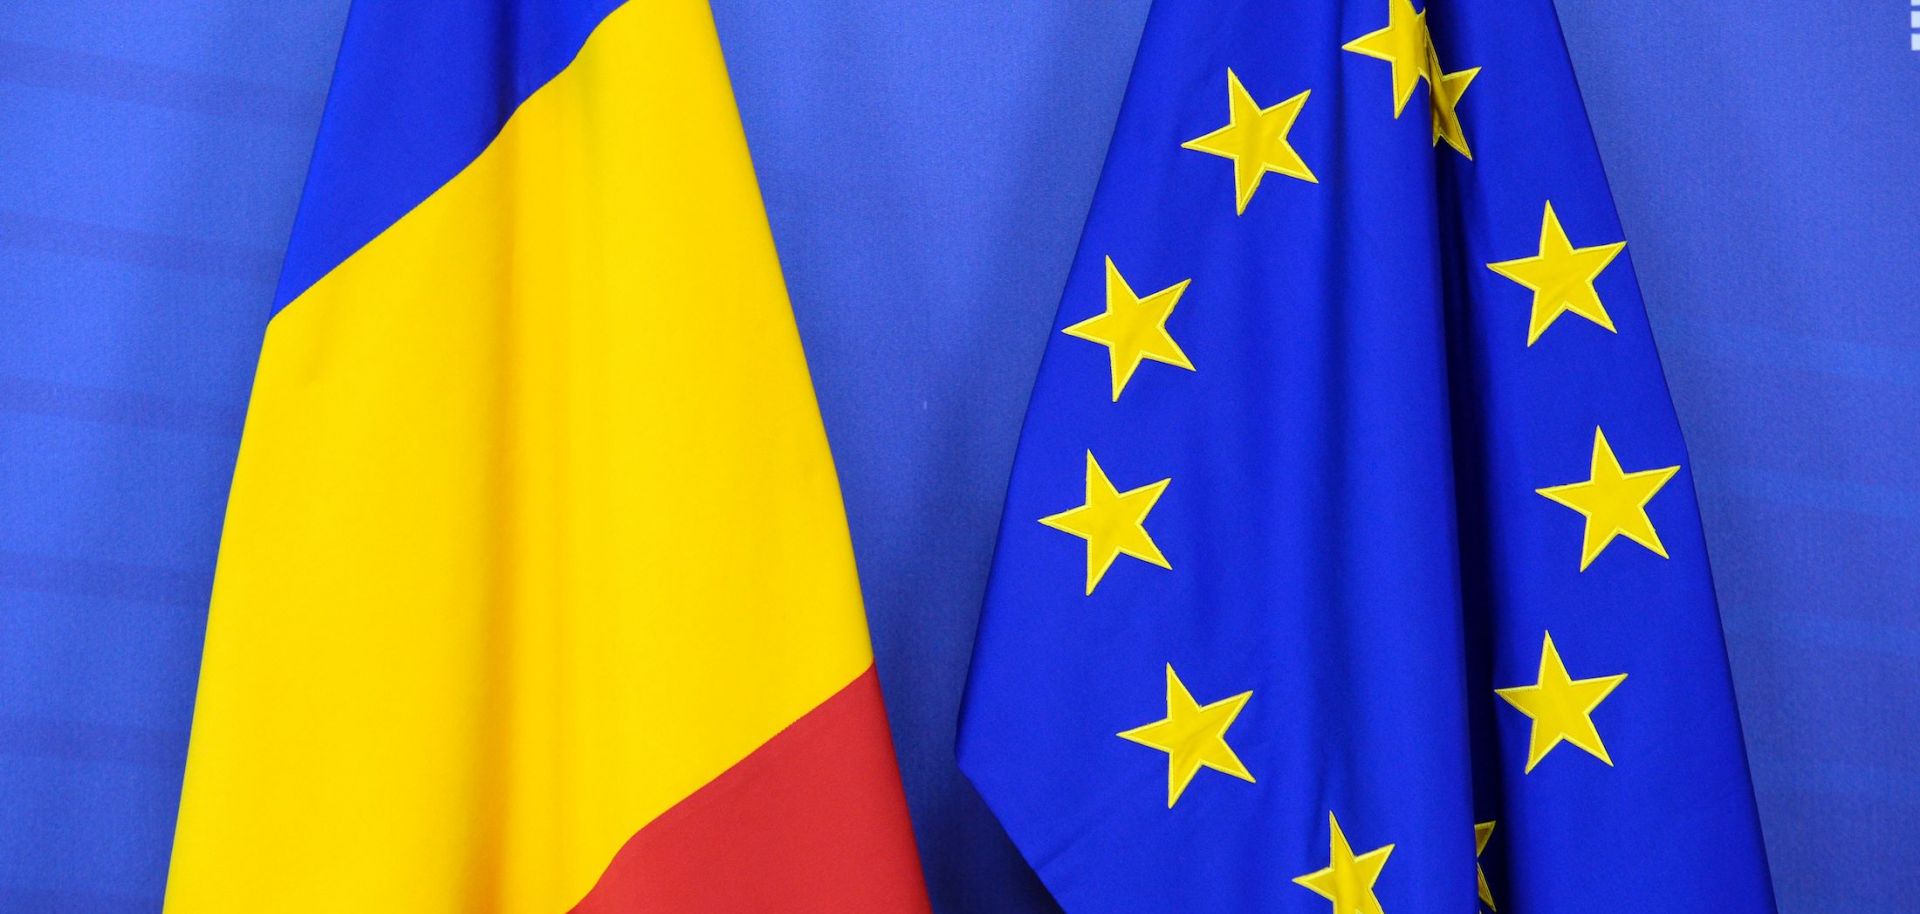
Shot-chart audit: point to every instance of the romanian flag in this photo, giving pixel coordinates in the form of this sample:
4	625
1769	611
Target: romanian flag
535	593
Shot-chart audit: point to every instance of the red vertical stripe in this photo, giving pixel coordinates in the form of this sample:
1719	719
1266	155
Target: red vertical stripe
813	820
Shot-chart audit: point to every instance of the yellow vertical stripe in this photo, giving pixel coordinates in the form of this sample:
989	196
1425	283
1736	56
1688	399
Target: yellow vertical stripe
534	529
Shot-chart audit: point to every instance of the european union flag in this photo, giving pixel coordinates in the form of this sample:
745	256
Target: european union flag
1351	559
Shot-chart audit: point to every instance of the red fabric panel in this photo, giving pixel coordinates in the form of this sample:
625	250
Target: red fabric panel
813	820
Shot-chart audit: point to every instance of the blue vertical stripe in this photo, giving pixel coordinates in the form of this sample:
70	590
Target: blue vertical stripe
418	92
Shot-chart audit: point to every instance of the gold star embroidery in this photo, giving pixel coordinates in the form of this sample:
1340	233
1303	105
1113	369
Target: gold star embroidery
1255	138
1193	736
1112	522
1348	880
1404	44
1482	833
1561	277
1613	501
1133	328
1446	104
1561	707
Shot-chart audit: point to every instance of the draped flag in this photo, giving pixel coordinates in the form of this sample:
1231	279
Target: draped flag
1350	560
535	592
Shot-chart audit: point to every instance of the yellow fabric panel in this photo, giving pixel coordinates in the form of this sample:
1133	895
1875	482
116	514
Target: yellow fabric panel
534	529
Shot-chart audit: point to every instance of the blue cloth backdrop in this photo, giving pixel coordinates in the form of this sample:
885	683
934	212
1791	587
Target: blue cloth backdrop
927	167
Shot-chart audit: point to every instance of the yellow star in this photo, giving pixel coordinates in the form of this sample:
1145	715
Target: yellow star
1112	522
1561	707
1348	880
1403	43
1133	328
1614	502
1255	138
1482	832
1561	277
1192	735
1446	102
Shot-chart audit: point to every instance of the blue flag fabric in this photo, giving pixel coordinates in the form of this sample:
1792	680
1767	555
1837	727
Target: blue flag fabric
1351	559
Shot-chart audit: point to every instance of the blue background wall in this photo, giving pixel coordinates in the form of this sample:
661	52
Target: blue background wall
1764	162
926	167
150	158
